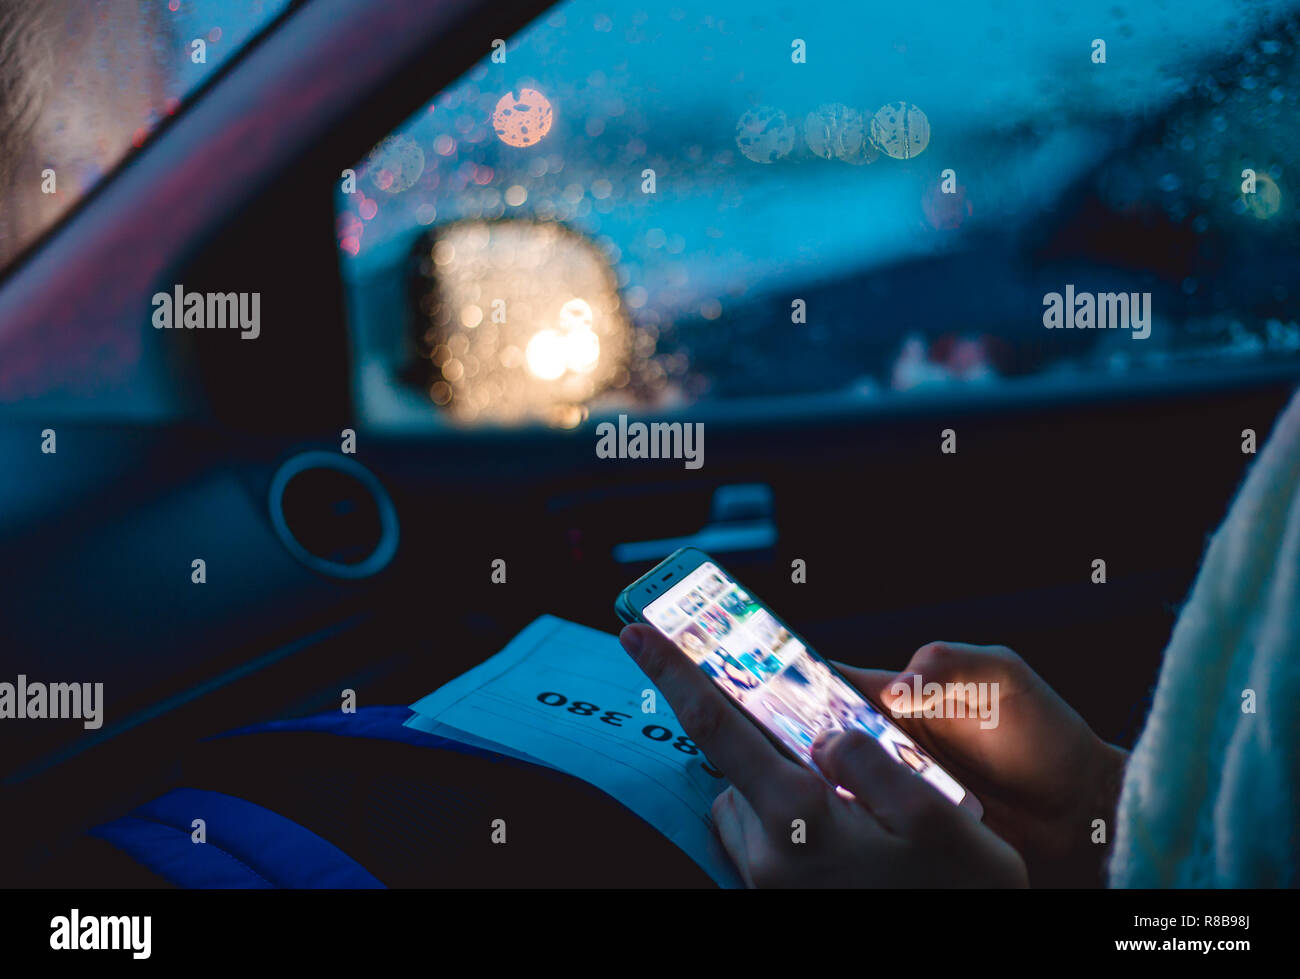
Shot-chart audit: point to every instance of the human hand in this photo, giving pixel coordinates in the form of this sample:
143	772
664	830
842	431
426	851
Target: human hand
1041	773
785	825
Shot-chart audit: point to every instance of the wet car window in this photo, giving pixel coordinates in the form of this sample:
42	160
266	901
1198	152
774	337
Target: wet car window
833	199
82	84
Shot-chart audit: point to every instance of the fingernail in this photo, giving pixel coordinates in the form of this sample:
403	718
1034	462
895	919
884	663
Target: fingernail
631	640
903	678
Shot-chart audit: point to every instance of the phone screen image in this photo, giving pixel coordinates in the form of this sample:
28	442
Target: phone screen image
782	684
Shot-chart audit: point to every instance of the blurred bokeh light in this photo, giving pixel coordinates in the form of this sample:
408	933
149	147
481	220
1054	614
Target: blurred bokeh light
522	321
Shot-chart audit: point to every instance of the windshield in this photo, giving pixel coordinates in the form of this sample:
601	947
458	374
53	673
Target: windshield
83	83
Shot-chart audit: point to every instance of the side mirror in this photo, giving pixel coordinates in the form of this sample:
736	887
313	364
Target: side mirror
515	321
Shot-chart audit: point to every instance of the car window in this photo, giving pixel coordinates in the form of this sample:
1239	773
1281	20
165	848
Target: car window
839	199
83	83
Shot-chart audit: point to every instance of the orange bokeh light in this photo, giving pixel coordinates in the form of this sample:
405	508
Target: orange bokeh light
522	120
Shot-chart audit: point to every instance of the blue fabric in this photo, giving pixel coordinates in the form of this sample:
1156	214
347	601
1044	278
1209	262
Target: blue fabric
170	853
247	845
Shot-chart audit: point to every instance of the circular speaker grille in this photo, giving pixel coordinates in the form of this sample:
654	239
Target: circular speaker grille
333	515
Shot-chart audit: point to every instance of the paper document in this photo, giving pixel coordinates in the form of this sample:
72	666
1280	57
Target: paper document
568	697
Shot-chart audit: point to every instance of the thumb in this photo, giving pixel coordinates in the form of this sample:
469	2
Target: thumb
877	685
960	662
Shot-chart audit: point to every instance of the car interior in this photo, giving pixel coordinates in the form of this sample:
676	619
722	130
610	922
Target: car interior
370	568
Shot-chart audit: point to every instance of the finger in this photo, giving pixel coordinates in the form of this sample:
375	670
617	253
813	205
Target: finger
955	661
892	792
729	739
735	822
946	680
951	665
874	684
959	662
882	688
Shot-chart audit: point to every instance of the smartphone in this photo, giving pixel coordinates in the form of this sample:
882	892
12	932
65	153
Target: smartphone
766	670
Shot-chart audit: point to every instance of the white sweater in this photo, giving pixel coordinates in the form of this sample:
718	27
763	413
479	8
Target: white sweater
1211	795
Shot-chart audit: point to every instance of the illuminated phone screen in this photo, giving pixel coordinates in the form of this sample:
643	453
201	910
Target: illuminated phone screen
787	687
